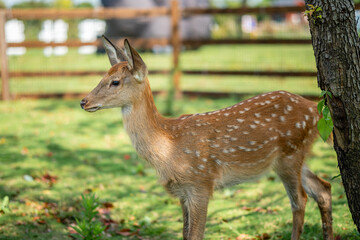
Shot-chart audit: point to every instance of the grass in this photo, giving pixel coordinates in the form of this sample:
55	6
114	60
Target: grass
241	57
51	151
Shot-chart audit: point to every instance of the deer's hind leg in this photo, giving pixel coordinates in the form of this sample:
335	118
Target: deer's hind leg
320	191
289	170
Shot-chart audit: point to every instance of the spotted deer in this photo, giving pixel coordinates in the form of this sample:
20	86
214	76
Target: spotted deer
198	153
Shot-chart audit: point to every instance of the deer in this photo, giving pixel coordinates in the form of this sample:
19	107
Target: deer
196	154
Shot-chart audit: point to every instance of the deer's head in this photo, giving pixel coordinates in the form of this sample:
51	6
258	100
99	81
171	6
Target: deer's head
122	84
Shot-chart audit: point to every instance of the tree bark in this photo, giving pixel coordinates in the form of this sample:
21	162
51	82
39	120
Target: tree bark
336	48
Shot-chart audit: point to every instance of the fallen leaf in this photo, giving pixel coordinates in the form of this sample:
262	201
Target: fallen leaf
125	232
142	189
38	220
107	205
246	208
47	178
266	236
24	151
2	140
127	157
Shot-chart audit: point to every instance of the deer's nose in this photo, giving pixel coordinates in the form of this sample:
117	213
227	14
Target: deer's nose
83	103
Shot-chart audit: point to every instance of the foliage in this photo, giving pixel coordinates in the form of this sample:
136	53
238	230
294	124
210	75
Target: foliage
84	5
2	4
88	228
325	124
314	13
4	207
63	4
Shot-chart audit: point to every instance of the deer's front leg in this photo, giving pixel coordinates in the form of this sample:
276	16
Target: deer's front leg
194	212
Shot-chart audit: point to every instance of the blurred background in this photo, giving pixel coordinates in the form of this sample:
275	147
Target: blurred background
202	55
241	46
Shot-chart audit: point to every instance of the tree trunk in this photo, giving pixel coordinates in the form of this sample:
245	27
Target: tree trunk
336	48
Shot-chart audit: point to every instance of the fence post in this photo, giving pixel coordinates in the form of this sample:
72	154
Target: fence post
176	44
4	59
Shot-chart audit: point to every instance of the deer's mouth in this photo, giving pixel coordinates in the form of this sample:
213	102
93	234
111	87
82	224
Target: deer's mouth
93	109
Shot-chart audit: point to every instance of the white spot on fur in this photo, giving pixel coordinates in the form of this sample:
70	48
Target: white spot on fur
201	167
252	142
204	159
187	151
240	120
298	125
289	107
252	126
273	138
273	115
310	109
257	115
314	121
226	114
306	117
282	118
197	153
303	124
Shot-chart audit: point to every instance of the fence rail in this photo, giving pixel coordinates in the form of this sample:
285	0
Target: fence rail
173	11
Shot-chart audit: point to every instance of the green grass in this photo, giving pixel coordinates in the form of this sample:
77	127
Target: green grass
91	152
232	57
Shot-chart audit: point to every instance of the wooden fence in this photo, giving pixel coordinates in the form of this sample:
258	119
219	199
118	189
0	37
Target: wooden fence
174	12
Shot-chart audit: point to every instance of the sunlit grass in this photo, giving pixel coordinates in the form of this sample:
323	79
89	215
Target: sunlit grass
91	152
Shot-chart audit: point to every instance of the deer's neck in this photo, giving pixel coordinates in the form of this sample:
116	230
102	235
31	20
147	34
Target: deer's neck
143	123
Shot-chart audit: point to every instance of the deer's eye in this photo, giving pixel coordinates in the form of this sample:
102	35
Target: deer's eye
115	83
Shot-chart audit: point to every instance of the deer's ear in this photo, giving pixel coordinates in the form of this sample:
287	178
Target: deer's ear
135	63
114	53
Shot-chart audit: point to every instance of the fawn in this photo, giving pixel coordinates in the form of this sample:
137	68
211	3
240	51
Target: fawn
195	154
